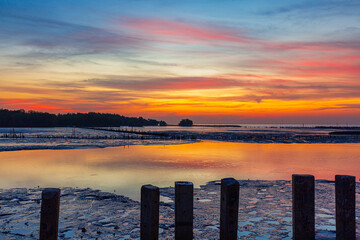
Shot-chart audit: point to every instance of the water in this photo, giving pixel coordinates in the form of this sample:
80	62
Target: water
125	169
70	138
75	138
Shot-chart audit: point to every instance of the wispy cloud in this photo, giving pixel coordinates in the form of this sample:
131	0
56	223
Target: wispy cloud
182	31
179	83
53	34
322	8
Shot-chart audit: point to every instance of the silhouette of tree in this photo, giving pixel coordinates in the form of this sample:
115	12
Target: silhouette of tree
186	123
162	123
21	118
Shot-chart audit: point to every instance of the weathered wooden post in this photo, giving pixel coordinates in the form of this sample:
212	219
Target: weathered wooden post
149	222
303	197
184	205
345	207
49	220
229	209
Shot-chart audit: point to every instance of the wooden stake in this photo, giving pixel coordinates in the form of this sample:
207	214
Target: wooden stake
229	209
303	197
184	205
345	207
149	225
49	221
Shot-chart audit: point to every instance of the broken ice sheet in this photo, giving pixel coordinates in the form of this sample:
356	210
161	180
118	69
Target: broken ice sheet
111	216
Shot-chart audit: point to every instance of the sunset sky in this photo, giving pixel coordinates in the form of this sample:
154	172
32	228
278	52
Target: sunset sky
210	61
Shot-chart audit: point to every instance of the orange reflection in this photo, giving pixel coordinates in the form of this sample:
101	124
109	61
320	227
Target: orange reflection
125	169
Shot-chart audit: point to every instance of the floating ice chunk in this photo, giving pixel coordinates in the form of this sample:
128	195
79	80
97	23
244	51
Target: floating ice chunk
267	228
255	219
273	222
83	217
289	229
213	227
323	215
331	221
242	224
325	210
253	200
326	227
124	237
243	233
287	219
325	234
22	227
165	199
250	206
105	221
135	230
265	237
109	225
69	234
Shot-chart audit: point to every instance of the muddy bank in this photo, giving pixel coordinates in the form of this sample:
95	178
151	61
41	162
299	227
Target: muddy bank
264	212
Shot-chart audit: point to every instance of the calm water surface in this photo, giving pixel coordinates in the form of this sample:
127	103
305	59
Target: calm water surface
125	169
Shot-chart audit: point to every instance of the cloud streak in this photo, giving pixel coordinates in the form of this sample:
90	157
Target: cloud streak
50	34
167	61
187	33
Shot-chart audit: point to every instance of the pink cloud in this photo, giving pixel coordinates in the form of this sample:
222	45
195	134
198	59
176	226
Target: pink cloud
331	68
325	46
168	31
184	31
319	66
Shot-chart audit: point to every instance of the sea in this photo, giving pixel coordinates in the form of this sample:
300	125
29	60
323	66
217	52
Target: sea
123	159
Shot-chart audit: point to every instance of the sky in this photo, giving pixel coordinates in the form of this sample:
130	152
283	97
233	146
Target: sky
210	61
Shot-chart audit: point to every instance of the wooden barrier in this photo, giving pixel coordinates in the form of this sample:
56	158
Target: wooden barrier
149	216
303	197
49	220
303	213
184	205
345	207
229	209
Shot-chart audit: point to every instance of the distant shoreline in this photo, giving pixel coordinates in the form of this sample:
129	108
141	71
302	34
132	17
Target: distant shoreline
16	139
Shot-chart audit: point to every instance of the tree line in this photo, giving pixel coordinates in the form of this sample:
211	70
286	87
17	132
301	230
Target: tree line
22	118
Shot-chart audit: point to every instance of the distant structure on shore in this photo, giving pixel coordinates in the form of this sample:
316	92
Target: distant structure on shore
186	123
162	123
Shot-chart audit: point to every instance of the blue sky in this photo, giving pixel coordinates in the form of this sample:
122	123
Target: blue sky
212	61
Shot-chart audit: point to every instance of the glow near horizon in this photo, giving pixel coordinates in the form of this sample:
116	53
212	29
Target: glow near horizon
218	62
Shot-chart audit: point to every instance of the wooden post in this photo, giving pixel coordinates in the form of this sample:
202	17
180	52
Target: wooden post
229	209
303	197
49	220
345	207
149	224
184	204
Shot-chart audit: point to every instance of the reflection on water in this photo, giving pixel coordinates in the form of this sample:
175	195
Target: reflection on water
125	169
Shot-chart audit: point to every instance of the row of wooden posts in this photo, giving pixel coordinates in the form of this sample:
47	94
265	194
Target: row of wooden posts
303	207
